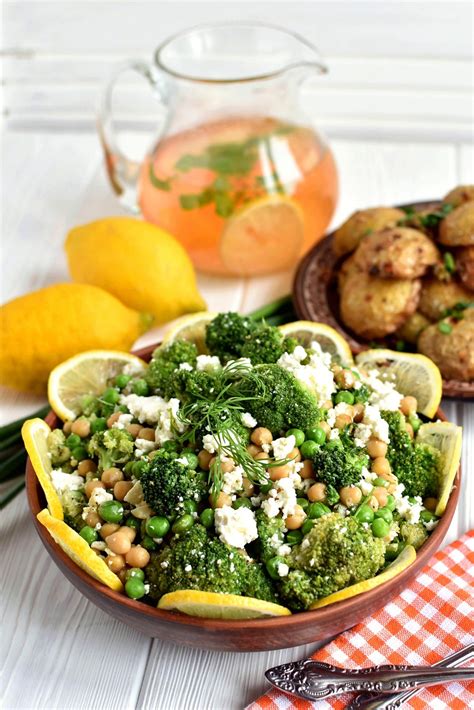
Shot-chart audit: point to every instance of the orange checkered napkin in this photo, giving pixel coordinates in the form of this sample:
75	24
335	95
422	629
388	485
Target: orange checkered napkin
432	618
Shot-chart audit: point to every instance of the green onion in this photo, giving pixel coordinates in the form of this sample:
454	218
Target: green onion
271	309
13	465
11	493
8	429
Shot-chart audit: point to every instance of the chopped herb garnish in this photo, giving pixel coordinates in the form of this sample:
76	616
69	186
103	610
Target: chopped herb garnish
445	327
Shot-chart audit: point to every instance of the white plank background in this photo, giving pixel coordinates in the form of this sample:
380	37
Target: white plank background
398	106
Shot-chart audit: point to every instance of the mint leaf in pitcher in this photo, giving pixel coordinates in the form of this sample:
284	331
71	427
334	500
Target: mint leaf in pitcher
156	182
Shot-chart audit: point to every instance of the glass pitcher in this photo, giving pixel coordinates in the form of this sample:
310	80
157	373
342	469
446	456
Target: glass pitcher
238	174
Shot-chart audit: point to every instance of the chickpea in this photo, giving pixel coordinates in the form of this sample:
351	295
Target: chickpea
146	433
381	465
67	427
336	369
221	500
113	418
227	466
108	529
121	489
119	543
115	563
430	504
81	427
295	455
111	476
345	379
408	405
350	496
92	519
327	404
359	411
86	466
261	435
381	494
317	492
376	448
137	557
296	520
90	485
253	450
122	575
204	458
308	469
134	429
325	427
343	420
248	487
261	456
130	533
409	430
373	502
278	472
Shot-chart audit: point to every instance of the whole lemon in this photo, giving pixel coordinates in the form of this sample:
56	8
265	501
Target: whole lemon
45	327
142	265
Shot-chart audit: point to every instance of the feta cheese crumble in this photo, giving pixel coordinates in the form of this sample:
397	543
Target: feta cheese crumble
316	375
283	446
156	410
384	393
208	363
66	481
123	421
282	569
282	497
232	481
248	420
235	527
98	496
372	425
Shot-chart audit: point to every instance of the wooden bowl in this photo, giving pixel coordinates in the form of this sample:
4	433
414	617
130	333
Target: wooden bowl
219	635
316	298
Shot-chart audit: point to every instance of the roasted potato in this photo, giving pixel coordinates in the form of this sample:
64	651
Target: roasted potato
437	296
397	253
465	266
412	327
362	222
373	307
457	229
460	194
453	352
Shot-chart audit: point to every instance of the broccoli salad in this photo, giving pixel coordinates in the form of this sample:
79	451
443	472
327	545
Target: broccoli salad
261	468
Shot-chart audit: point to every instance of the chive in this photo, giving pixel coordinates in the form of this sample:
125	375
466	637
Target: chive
9	429
444	327
11	493
271	308
12	465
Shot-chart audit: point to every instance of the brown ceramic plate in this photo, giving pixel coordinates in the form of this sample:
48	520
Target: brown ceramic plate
252	635
315	298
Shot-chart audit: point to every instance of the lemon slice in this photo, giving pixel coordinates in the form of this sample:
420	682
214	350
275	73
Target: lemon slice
447	438
83	374
192	328
305	331
211	605
79	551
414	374
264	235
34	433
406	557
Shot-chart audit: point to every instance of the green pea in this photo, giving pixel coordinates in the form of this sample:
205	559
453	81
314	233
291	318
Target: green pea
380	528
241	503
385	514
265	487
390	504
380	482
99	424
190	506
123	408
191	458
317	510
303	502
294	537
183	524
140	387
135	572
169	445
317	435
79	453
89	534
132	522
138	467
344	396
427	516
111	511
308	449
157	526
122	381
272	566
111	396
307	526
414	421
207	517
298	434
364	514
73	440
134	588
149	544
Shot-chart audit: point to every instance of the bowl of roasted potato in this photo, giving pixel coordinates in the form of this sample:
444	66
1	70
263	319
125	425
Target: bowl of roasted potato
400	277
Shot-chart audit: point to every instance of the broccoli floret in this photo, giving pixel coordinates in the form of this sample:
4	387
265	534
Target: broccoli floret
227	333
111	447
336	553
73	503
415	465
281	402
264	345
271	533
56	442
199	561
339	463
167	483
413	534
166	360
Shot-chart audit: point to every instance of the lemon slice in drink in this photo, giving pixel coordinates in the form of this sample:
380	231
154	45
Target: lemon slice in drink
447	438
79	551
86	374
414	374
35	433
406	557
192	328
305	331
211	605
264	235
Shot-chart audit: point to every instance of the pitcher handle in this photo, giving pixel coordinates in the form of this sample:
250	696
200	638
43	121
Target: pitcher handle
123	171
